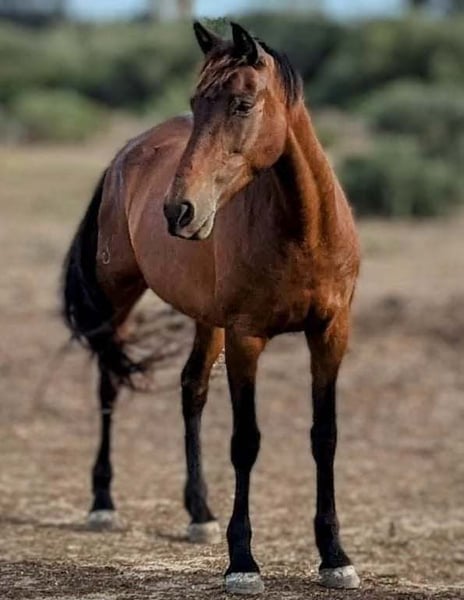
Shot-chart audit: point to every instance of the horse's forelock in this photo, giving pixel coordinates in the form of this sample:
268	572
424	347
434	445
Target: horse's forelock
222	64
216	71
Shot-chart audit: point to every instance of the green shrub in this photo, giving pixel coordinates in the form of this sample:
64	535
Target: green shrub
17	61
374	53
58	116
124	65
393	179
10	130
120	65
170	102
433	114
131	64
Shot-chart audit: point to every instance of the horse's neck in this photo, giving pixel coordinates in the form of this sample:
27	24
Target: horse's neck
309	181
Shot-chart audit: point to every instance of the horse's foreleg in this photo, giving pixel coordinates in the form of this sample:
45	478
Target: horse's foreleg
207	345
102	513
327	346
242	355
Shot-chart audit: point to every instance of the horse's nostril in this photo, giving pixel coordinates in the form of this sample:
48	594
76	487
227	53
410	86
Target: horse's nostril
170	212
185	214
178	214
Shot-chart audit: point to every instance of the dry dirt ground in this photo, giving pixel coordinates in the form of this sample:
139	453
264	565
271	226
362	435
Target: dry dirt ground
400	462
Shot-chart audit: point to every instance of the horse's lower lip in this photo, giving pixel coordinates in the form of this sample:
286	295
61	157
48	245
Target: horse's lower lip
197	234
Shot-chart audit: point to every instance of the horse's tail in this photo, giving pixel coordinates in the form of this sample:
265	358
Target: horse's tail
87	311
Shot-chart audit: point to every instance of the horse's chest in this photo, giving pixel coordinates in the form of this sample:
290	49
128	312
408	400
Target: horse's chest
270	299
289	313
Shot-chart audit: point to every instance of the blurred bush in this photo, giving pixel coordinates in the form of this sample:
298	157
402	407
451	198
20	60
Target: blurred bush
55	115
394	179
132	64
434	114
9	128
369	81
120	65
174	101
124	65
374	53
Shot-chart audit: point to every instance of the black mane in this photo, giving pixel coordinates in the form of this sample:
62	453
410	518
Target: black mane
291	79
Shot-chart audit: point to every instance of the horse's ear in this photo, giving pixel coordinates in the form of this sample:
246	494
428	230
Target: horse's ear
245	46
206	38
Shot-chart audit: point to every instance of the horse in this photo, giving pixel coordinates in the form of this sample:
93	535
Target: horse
234	216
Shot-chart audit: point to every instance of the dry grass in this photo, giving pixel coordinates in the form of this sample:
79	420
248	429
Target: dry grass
401	452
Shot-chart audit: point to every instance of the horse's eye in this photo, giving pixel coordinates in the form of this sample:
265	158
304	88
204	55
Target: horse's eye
241	108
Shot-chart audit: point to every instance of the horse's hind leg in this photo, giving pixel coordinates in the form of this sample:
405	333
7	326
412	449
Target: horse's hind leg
207	345
102	513
327	345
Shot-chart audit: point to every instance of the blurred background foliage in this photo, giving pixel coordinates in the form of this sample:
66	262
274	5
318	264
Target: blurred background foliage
387	95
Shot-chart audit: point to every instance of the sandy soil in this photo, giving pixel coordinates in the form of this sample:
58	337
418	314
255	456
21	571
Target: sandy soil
400	463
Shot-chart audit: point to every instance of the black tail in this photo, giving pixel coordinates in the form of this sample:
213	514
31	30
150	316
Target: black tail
87	311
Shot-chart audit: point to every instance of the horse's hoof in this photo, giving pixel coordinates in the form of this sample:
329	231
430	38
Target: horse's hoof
103	520
344	578
204	533
244	583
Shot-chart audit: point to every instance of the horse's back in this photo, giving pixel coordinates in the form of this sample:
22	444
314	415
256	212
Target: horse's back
154	152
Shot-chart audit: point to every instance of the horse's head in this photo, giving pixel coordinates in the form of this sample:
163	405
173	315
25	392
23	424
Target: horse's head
240	111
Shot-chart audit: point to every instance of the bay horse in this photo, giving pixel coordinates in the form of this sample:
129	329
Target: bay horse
234	217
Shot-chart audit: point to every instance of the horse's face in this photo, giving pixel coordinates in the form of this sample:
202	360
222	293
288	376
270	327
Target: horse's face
239	127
